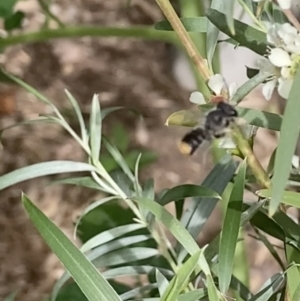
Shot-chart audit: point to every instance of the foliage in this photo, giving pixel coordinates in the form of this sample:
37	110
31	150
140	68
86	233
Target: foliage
126	232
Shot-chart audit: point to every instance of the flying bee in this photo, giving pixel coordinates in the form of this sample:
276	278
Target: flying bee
216	125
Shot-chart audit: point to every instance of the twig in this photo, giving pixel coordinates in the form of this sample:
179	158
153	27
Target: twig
186	40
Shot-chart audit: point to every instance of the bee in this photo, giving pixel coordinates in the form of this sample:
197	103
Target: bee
216	125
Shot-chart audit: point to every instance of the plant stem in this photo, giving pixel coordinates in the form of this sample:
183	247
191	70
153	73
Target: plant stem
258	171
140	32
186	41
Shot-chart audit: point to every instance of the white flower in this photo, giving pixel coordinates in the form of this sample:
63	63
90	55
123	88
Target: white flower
285	4
197	98
284	87
279	57
216	83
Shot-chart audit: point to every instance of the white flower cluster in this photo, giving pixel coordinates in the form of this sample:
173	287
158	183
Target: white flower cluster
217	84
283	60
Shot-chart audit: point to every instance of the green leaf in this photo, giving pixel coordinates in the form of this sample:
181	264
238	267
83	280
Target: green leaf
268	225
186	191
88	182
191	24
107	214
42	169
91	208
247	36
161	281
181	279
172	224
14	21
110	235
134	271
230	231
194	295
90	281
296	295
77	110
95	128
290	198
137	291
212	34
271	286
229	10
125	256
116	244
119	159
262	119
270	248
289	133
199	210
6	8
248	86
95	255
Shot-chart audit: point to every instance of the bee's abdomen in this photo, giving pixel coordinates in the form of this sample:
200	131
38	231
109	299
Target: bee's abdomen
192	140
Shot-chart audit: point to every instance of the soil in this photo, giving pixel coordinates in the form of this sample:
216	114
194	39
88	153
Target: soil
124	72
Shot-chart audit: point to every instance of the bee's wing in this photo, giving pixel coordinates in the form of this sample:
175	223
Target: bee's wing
187	118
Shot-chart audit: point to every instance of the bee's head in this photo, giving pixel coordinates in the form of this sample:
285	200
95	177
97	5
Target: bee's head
227	109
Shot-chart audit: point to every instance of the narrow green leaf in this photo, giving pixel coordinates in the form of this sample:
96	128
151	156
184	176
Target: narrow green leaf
119	159
137	186
194	295
229	10
230	231
199	210
172	224
185	191
77	110
27	87
191	24
42	169
115	245
124	256
92	207
290	198
248	86
95	128
289	134
296	295
109	235
213	293
88	182
212	34
134	271
90	281
270	287
181	279
161	281
137	291
245	35
270	248
293	272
